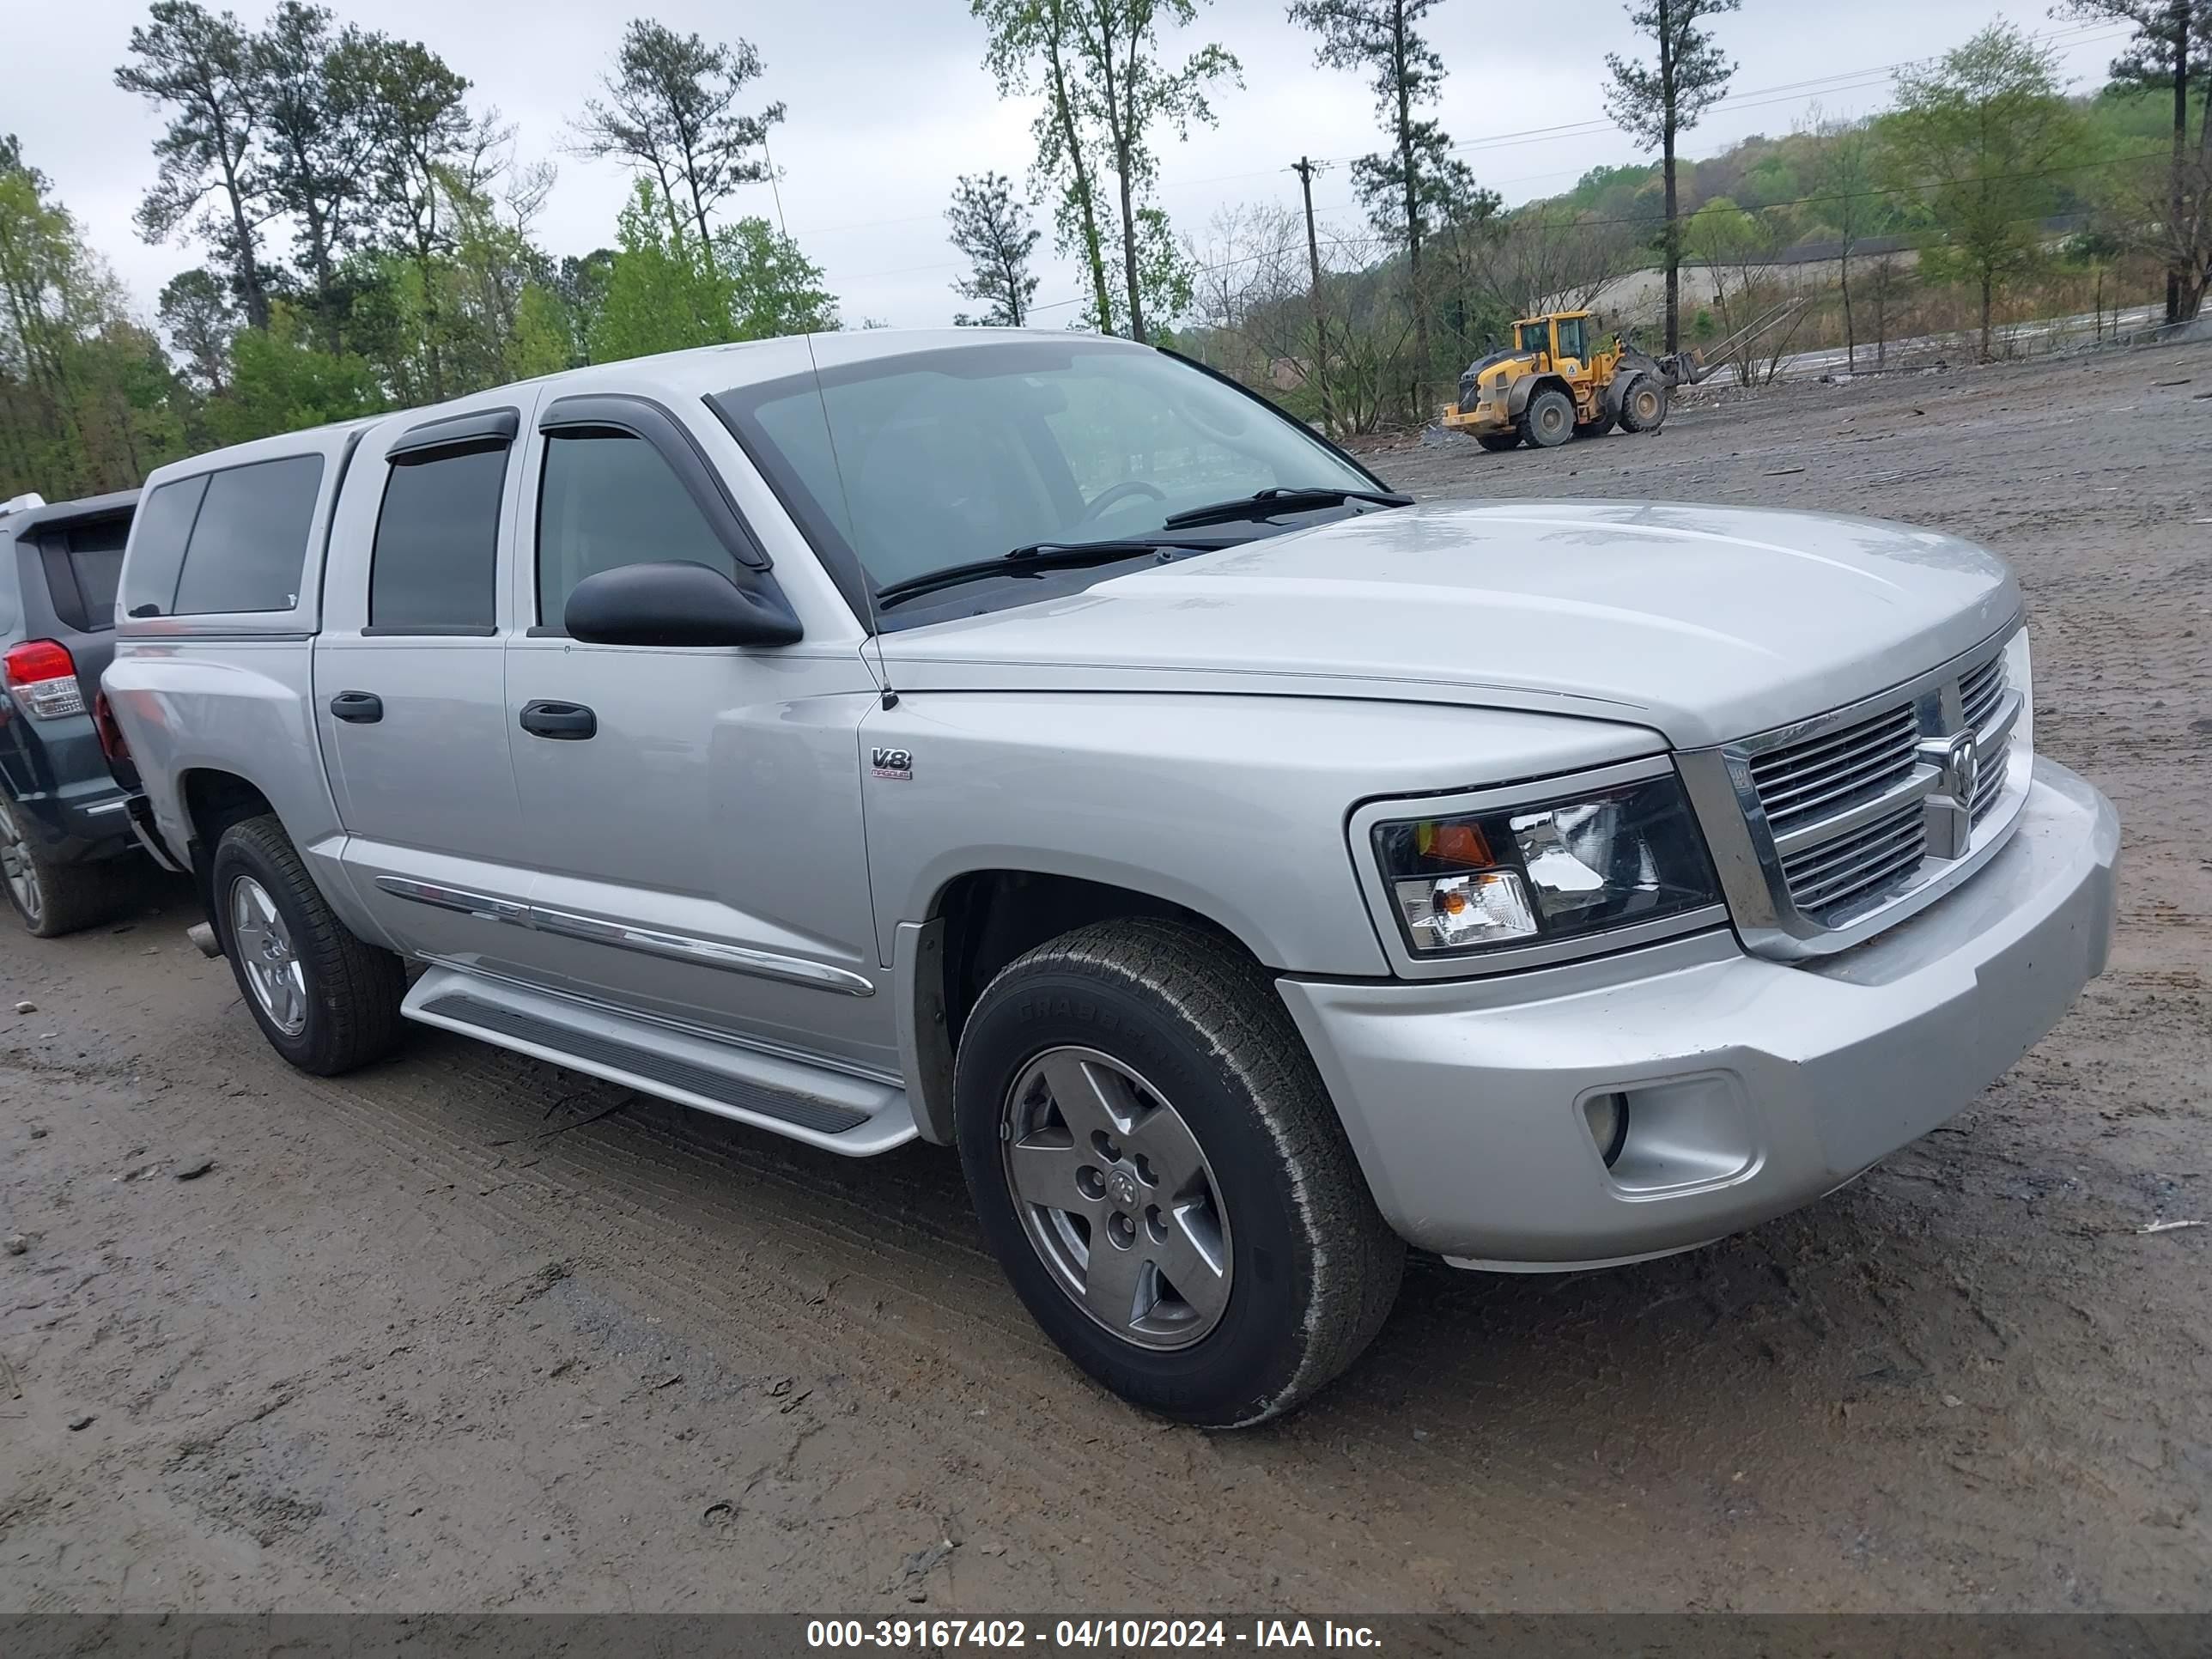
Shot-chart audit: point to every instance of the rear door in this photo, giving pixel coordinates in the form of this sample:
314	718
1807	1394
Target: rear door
410	684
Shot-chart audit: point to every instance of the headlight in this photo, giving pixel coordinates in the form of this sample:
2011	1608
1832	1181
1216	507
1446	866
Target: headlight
1547	870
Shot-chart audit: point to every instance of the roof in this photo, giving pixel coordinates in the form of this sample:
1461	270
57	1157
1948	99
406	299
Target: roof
676	376
58	513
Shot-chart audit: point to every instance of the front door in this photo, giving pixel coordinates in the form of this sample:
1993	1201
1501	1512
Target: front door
693	814
410	691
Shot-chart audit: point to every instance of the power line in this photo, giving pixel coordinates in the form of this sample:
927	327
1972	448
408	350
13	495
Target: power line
1764	207
1752	98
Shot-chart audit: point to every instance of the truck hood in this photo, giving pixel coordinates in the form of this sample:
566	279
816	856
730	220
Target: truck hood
1704	622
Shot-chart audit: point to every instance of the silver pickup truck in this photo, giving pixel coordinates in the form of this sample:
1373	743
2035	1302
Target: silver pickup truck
1036	745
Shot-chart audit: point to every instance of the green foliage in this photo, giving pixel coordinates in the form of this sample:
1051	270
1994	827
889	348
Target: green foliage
544	339
86	401
991	227
665	293
771	287
279	383
662	294
1977	142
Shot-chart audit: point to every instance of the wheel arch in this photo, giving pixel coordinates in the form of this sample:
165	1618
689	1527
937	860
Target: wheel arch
213	799
1525	391
977	922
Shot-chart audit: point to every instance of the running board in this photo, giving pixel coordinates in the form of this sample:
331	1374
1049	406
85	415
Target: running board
835	1110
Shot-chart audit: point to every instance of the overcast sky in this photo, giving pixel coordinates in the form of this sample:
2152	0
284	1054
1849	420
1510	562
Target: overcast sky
889	103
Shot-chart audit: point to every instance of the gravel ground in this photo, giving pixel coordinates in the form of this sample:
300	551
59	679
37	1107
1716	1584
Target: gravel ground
466	1332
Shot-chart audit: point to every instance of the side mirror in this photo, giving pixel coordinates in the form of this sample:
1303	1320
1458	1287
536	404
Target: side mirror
676	603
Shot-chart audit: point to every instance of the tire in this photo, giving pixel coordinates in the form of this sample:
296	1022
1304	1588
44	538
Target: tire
1549	419
1643	405
339	1008
50	897
1174	1047
1498	442
1597	428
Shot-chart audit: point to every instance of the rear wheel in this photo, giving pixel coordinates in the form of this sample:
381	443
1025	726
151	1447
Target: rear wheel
325	1000
50	897
1498	443
1161	1176
1643	405
1549	420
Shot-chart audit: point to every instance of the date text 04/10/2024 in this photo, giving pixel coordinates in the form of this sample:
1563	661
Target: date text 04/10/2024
1087	1634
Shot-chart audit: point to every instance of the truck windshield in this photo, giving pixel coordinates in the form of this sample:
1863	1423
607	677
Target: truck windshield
919	463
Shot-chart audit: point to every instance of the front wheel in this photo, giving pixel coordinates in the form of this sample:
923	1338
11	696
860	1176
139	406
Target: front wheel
1161	1176
327	1001
1643	405
1549	420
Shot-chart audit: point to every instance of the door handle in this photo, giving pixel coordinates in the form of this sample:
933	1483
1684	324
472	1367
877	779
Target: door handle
361	708
568	722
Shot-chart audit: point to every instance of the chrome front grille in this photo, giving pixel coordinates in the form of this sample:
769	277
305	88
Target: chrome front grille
1981	690
1826	830
1811	781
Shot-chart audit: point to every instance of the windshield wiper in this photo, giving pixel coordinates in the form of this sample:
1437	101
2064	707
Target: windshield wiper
1035	555
1262	503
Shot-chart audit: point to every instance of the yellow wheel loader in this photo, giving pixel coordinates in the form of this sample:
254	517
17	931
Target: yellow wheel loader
1560	379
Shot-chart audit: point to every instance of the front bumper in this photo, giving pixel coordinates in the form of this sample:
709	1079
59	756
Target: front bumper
1753	1086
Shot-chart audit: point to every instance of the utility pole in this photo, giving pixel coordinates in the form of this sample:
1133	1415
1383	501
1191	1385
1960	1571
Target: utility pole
1305	169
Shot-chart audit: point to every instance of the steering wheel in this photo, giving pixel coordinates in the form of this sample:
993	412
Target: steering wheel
1106	498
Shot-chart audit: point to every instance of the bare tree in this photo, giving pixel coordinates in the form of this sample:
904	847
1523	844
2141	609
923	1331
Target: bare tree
1847	201
200	68
1404	188
671	109
1547	257
1119	84
316	92
1656	103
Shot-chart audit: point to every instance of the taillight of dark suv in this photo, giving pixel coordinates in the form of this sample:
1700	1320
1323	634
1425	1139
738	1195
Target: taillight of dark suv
41	676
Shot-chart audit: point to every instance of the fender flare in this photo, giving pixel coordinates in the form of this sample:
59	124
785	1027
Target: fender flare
1528	388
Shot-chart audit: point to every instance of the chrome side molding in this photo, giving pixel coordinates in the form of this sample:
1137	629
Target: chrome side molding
682	947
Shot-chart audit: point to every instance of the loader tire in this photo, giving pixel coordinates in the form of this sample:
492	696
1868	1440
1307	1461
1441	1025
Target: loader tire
1643	405
1549	420
1498	442
1597	428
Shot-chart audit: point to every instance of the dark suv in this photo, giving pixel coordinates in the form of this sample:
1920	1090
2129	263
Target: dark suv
66	848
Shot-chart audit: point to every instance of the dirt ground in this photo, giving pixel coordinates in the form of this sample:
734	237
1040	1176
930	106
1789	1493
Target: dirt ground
466	1332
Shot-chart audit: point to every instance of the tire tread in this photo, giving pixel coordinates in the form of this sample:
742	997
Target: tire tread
1229	1000
358	986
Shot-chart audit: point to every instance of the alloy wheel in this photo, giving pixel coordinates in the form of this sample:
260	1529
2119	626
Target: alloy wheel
1116	1196
272	968
17	868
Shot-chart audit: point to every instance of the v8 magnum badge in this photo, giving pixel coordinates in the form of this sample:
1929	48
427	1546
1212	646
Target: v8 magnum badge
894	764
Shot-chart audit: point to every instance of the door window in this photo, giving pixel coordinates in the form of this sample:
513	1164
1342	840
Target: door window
1570	339
250	542
608	500
84	564
165	524
432	567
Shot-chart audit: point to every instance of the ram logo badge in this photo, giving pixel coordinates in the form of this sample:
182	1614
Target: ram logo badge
894	764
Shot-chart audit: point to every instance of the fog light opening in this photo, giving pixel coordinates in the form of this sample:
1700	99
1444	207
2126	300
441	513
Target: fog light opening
1608	1117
